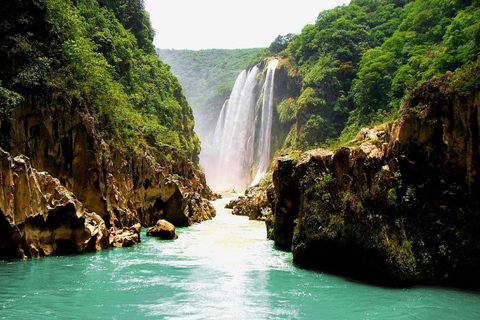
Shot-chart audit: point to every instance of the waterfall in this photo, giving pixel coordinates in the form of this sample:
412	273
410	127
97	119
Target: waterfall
231	152
234	135
220	125
263	150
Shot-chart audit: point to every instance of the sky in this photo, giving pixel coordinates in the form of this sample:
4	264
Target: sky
224	24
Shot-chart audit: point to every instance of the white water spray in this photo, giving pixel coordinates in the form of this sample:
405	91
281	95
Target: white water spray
234	135
265	133
231	154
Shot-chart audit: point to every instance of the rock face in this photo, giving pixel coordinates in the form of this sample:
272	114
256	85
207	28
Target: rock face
232	203
126	237
255	204
402	208
163	229
109	189
38	216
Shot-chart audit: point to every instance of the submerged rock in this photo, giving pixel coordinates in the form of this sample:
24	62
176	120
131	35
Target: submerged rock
163	229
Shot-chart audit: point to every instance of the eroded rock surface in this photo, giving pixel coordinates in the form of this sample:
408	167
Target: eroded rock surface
163	229
125	237
255	204
399	209
109	189
38	216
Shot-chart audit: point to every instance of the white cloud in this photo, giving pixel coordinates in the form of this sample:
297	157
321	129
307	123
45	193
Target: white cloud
190	24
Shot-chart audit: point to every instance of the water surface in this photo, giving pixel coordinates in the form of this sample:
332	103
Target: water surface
220	269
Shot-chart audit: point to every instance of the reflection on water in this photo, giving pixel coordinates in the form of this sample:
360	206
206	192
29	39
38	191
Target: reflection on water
220	269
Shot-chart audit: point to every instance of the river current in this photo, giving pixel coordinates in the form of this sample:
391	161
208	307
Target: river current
219	269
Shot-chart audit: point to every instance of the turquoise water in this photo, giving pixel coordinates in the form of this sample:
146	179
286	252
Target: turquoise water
220	269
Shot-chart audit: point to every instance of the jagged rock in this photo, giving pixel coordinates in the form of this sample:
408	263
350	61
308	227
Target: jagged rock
254	204
232	203
123	187
402	208
97	230
39	217
186	208
125	237
163	229
215	196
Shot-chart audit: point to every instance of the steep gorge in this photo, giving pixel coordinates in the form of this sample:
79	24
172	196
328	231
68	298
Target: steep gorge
121	187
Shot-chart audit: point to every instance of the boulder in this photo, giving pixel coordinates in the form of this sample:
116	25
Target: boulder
163	229
232	203
255	204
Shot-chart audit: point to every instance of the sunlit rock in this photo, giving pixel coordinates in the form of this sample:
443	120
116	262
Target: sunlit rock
39	217
125	237
398	209
163	229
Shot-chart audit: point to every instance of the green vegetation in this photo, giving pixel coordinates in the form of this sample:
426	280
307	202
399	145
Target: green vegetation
99	55
8	101
207	76
342	220
356	65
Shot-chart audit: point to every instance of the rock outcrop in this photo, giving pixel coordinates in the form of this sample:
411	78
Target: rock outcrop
125	237
116	141
38	216
255	204
110	188
400	209
232	203
163	229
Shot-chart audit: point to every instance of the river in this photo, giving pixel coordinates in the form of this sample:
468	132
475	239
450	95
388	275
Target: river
219	269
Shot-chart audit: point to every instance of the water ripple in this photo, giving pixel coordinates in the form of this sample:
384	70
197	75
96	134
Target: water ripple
220	269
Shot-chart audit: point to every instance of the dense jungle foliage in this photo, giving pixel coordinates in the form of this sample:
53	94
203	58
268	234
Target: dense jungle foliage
99	55
207	77
356	65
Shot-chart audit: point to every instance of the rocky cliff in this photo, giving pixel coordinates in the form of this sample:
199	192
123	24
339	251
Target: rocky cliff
39	216
400	208
98	189
96	135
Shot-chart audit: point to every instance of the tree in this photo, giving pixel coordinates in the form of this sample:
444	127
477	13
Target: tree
280	43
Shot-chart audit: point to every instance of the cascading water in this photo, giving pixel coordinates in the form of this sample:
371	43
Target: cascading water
233	137
263	151
230	158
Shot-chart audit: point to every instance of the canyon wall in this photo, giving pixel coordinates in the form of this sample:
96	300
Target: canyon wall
400	208
117	188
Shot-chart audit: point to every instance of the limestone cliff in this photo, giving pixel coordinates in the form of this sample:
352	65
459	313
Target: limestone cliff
85	99
399	209
39	216
119	188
